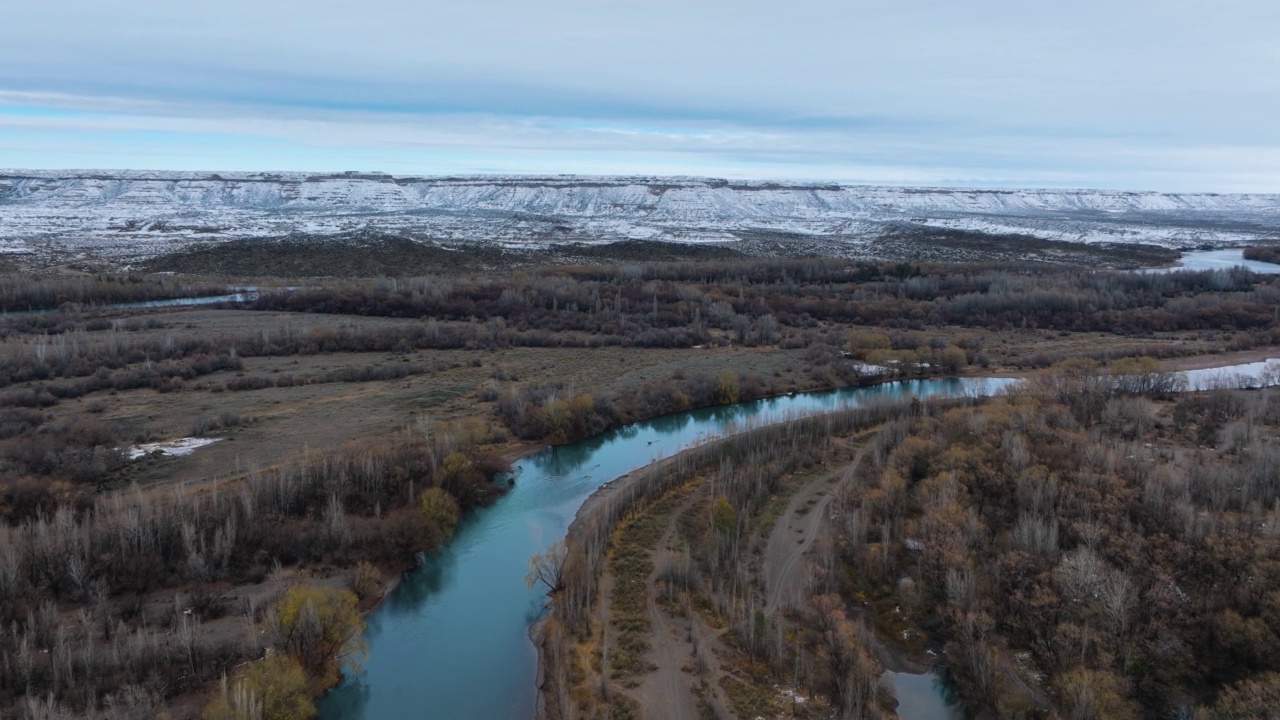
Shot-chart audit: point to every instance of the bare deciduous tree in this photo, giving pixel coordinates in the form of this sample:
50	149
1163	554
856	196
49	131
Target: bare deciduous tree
547	567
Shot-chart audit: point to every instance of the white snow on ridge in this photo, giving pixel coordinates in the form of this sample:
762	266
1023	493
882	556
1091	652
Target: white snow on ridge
138	214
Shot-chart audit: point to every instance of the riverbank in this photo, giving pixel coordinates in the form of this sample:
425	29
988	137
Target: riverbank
597	516
591	576
435	639
358	363
602	495
515	453
1220	259
1221	360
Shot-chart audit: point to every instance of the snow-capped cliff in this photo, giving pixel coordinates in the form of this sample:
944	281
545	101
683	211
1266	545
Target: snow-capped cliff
136	214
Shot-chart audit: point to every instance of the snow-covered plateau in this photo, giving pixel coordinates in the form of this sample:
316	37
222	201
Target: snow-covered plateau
128	216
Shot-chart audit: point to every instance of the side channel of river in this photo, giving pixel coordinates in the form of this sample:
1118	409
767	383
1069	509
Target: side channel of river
241	295
452	640
1217	260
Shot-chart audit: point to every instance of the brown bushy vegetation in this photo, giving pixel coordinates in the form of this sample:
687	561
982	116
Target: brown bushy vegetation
749	466
552	412
333	508
372	254
742	473
1094	545
1263	253
1110	561
83	566
23	293
360	255
767	302
43	463
70	352
274	687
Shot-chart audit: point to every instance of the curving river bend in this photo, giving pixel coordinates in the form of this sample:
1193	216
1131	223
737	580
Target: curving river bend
452	640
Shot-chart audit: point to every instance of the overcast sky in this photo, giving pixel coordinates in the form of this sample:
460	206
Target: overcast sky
1134	94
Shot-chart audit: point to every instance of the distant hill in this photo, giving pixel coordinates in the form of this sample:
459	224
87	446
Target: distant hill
131	216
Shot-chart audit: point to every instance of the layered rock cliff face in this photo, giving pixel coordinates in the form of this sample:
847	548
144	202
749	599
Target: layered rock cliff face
129	216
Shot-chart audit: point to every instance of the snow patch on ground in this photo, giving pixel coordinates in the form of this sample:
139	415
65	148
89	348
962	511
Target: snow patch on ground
169	448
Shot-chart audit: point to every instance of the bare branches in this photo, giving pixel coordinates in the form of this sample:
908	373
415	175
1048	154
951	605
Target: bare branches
546	568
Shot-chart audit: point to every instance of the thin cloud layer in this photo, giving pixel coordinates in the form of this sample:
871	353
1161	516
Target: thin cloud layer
1169	95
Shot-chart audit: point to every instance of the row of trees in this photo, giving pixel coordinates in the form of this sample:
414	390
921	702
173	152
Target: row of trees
22	293
549	412
738	476
1131	573
767	302
1263	253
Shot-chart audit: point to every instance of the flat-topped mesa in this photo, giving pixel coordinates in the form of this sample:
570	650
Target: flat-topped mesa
49	185
135	214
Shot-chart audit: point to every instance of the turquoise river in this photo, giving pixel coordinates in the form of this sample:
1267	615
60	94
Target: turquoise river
451	642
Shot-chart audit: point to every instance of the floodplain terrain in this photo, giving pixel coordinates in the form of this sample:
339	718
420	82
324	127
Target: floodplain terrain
338	426
1074	549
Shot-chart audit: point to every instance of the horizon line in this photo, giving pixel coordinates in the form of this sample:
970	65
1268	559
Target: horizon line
842	184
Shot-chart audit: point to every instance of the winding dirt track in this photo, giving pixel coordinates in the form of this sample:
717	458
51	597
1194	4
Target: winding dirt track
684	651
666	692
784	567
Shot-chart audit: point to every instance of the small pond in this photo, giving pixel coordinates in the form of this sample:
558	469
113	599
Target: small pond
923	697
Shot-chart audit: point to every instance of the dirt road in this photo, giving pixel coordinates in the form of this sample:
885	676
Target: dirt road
806	517
666	692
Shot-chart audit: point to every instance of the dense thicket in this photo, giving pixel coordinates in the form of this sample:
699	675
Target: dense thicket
549	412
749	467
791	304
20	293
760	301
357	503
1126	549
1263	253
371	254
715	571
1095	545
1013	498
78	352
